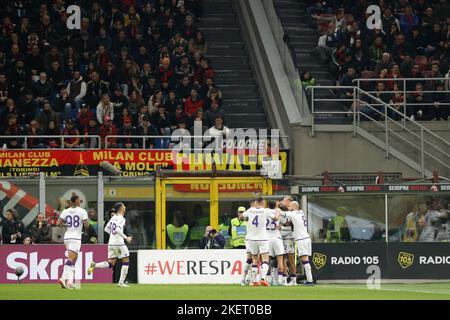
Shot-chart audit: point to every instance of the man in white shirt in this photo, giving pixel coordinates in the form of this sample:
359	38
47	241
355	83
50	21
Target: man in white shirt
258	239
301	237
73	218
116	245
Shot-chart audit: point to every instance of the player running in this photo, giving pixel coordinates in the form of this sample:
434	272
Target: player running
258	240
73	218
116	245
302	238
276	247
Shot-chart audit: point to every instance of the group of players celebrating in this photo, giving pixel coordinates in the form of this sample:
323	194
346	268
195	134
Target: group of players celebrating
274	232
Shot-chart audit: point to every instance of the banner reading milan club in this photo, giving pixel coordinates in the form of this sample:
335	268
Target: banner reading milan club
131	162
45	263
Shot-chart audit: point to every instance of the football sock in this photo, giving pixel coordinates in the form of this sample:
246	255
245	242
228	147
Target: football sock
264	270
103	265
123	272
308	273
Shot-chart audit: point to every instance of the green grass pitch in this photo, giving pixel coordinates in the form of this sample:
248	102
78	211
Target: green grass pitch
429	291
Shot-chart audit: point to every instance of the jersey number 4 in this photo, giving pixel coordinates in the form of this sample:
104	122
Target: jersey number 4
255	221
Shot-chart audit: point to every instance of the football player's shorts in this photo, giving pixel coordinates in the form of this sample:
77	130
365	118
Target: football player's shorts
258	246
276	247
247	246
72	245
118	251
289	246
304	247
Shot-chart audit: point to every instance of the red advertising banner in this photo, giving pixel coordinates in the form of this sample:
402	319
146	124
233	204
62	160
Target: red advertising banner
131	162
45	263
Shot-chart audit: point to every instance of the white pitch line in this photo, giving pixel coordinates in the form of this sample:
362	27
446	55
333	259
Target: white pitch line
396	290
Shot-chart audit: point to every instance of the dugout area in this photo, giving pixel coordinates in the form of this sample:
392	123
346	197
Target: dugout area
220	192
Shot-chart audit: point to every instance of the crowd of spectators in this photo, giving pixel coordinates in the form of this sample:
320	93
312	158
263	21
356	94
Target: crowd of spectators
412	40
40	230
136	67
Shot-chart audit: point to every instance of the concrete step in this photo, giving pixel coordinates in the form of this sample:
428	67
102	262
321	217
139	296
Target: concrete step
239	91
245	117
242	105
233	74
222	34
228	61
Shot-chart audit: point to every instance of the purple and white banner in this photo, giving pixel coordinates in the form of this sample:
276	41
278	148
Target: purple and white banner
45	263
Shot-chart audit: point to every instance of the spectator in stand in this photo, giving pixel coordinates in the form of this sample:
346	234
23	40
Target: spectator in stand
419	107
207	87
4	90
13	229
108	129
347	80
434	40
56	74
26	108
184	89
13	129
105	108
145	128
408	20
71	130
46	115
401	49
376	51
63	105
19	78
205	71
95	89
178	117
307	79
76	89
27	240
193	103
172	102
119	100
83	118
198	44
329	41
135	102
129	131
218	130
397	101
212	113
52	130
34	141
441	102
213	96
92	130
43	89
40	231
388	20
435	73
155	100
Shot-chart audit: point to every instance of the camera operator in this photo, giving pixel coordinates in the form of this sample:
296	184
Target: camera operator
212	239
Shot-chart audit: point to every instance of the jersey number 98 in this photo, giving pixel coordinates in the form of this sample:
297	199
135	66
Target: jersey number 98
73	221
